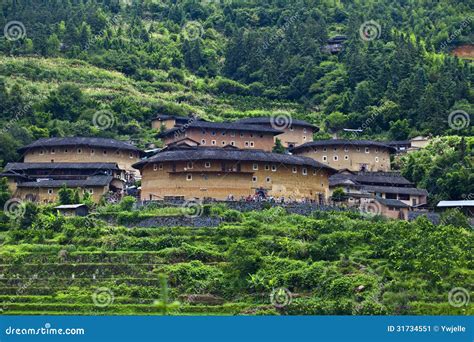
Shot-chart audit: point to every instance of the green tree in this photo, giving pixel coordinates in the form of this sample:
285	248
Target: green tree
66	196
278	148
4	192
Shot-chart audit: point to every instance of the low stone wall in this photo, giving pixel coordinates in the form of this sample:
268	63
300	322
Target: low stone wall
292	208
243	206
178	221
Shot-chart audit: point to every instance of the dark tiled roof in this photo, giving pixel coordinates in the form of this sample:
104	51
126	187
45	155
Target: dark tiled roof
223	126
60	166
75	183
391	202
207	153
343	142
392	178
398	142
80	141
395	190
268	121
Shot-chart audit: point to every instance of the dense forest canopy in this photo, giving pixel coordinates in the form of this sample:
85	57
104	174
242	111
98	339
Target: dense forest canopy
63	61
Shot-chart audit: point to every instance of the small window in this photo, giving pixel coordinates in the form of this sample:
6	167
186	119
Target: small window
254	179
92	151
246	144
291	128
367	150
261	135
155	167
203	131
358	149
41	152
241	135
315	150
79	151
251	135
346	157
213	142
223	134
50	191
223	143
65	150
346	149
335	149
232	134
91	191
336	158
376	150
252	144
160	166
295	169
255	167
274	168
53	151
376	159
232	143
304	130
203	142
304	137
325	149
325	158
189	177
304	171
268	179
207	165
315	172
130	155
104	152
190	165
267	167
213	133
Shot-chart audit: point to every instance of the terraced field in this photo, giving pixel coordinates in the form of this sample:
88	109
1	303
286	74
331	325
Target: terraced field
253	263
96	282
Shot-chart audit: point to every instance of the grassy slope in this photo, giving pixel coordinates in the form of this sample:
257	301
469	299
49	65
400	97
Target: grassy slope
42	75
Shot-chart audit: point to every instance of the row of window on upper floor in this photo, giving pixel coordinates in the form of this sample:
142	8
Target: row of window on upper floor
346	149
91	191
80	151
346	157
233	134
255	167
